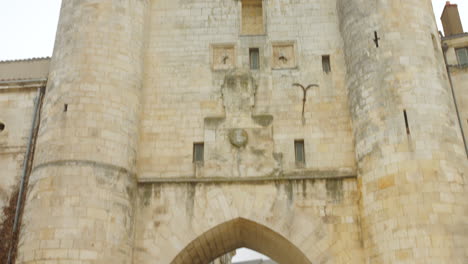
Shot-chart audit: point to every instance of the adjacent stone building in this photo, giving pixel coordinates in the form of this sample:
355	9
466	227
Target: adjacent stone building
174	132
20	82
455	48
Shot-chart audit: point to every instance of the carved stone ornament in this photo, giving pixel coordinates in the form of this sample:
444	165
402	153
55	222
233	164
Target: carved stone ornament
238	137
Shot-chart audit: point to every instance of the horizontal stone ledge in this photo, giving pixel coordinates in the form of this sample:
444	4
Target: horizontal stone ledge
208	180
22	84
83	163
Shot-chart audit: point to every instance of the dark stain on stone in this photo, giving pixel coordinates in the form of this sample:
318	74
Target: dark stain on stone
129	191
157	191
160	210
278	157
146	194
257	152
156	224
190	199
213	122
277	186
263	120
288	188
304	188
244	82
334	189
230	81
100	180
360	236
261	134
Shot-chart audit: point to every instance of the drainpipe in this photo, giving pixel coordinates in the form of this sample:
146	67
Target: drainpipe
26	165
447	66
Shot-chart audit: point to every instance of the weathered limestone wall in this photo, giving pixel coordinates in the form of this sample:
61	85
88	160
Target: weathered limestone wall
135	83
79	207
16	112
182	87
304	221
413	186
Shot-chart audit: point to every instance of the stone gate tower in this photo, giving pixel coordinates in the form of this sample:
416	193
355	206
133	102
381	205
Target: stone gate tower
411	161
83	184
175	131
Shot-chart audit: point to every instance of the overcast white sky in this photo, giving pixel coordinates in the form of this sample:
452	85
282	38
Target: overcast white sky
27	27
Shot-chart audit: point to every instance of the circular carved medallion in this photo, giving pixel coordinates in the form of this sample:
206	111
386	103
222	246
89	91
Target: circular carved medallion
238	137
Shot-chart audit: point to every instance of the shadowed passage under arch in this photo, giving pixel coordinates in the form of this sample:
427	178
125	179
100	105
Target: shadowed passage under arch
238	233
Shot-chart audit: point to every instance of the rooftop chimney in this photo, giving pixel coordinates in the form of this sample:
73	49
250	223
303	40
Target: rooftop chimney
451	20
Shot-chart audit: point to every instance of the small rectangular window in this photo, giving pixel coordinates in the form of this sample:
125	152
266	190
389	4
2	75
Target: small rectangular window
254	57
299	152
462	55
198	152
326	63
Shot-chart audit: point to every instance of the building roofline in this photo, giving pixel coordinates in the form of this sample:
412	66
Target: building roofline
23	81
25	60
465	34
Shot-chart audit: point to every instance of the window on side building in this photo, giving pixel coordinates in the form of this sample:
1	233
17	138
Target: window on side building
462	55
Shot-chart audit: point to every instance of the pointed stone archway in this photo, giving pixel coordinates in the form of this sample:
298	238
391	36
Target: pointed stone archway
239	233
188	223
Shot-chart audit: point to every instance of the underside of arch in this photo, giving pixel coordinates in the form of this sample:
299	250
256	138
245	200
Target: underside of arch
239	233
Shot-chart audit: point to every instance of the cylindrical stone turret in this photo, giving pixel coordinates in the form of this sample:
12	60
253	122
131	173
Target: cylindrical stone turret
79	208
411	159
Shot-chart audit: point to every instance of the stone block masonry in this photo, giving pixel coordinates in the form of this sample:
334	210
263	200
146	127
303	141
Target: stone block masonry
367	166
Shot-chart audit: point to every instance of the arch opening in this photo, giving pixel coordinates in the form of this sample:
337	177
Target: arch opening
242	255
239	233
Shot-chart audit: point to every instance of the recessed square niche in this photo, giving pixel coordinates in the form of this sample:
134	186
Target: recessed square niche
252	17
284	56
223	56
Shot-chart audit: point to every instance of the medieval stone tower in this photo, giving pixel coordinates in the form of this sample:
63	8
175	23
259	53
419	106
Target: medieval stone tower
313	131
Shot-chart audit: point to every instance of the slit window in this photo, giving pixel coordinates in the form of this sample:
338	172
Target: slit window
2	126
406	122
434	42
254	58
198	152
65	107
299	151
326	63
376	39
